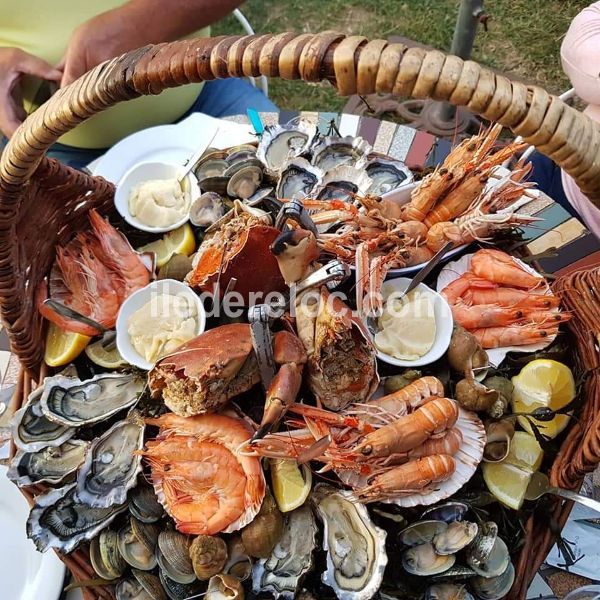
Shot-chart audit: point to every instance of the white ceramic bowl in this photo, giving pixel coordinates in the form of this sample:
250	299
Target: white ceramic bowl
143	172
443	325
139	299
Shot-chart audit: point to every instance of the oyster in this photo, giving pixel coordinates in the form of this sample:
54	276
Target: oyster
206	209
105	556
457	536
49	465
137	544
112	464
421	532
176	590
342	183
423	560
279	143
74	403
494	588
291	559
331	152
356	556
58	520
32	431
173	556
298	177
387	175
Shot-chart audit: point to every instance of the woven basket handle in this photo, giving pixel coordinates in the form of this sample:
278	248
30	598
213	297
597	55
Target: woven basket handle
353	64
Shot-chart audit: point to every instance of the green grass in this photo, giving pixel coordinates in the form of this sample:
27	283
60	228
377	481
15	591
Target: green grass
523	37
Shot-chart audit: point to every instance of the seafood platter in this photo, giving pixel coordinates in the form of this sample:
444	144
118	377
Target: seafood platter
276	452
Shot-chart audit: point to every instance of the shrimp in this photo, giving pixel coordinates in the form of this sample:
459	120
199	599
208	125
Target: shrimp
200	476
499	267
486	315
505	296
515	335
413	477
455	291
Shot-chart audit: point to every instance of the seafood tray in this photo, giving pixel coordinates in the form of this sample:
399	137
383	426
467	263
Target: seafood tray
193	480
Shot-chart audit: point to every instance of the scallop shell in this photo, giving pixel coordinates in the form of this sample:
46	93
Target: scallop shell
332	151
342	183
279	143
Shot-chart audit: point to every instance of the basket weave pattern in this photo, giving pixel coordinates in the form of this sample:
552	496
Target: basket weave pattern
43	203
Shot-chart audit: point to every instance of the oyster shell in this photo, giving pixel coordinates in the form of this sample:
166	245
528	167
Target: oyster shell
48	465
332	151
457	536
206	209
342	183
298	177
279	143
356	556
75	403
423	560
32	431
112	463
291	559
58	520
387	175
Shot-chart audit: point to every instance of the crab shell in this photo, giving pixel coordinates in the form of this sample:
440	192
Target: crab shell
239	260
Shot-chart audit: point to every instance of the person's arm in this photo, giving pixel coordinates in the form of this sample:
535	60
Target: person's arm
13	64
134	24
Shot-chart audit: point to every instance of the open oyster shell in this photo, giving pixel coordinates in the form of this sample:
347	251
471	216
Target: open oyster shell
333	151
58	520
282	573
75	403
48	465
279	143
387	175
342	183
112	464
356	556
298	177
32	431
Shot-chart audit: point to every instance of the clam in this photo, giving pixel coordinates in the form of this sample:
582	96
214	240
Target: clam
48	465
504	387
105	556
75	403
244	182
448	512
472	395
499	435
387	175
298	177
331	152
239	164
144	505
173	556
32	431
342	183
131	589
209	555
150	583
456	572
496	562
206	209
494	588
216	184
260	536
291	559
176	590
224	587
238	564
58	520
240	154
421	532
483	544
137	544
447	591
457	536
465	355
177	267
214	167
424	561
355	546
212	154
112	463
393	383
279	143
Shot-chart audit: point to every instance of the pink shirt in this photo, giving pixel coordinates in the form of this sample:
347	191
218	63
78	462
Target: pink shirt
589	213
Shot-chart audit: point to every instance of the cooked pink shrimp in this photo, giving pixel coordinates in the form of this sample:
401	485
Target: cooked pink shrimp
499	267
515	335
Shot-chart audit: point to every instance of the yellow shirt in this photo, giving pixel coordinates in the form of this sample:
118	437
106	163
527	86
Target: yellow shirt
43	28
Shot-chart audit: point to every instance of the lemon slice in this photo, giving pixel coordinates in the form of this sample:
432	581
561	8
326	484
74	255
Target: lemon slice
178	241
63	347
507	482
543	383
291	483
525	452
109	359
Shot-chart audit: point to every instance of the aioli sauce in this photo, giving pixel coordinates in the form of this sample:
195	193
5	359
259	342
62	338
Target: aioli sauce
159	202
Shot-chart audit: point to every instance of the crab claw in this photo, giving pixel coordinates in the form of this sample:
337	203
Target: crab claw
295	250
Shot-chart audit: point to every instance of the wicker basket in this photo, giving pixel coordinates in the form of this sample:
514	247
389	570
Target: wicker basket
43	203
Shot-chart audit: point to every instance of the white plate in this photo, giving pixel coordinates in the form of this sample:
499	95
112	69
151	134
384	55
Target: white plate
26	573
443	325
171	144
139	299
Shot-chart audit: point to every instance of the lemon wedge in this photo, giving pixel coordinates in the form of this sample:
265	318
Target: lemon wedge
525	452
63	347
507	482
291	483
543	383
109	359
178	241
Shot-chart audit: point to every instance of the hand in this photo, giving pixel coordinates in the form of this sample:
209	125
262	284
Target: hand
13	64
